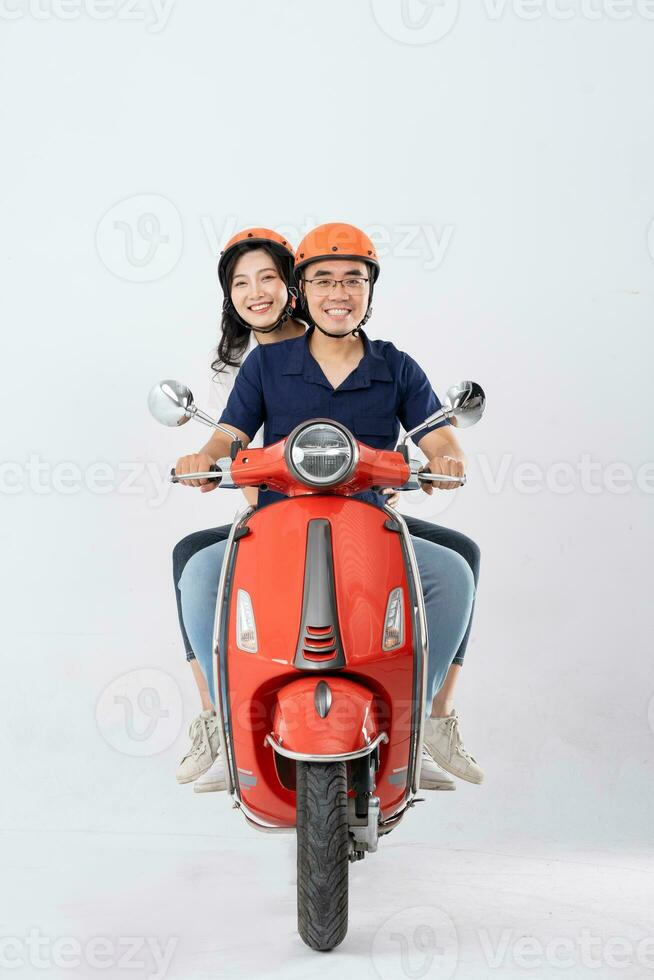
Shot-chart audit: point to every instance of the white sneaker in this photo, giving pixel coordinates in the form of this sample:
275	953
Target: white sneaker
213	780
204	747
432	776
443	741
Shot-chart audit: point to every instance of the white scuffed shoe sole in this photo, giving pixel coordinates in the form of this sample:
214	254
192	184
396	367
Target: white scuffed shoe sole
213	780
432	776
193	776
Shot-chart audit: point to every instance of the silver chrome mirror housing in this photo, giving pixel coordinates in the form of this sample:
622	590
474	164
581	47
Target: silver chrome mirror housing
465	403
462	406
171	403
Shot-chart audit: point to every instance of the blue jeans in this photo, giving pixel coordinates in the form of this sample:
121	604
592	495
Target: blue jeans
447	584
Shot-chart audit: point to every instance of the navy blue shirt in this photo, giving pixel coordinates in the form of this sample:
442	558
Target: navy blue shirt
280	385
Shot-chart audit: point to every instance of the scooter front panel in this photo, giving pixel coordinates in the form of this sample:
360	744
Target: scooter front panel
368	563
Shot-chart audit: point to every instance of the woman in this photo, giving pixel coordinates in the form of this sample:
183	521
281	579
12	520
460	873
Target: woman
255	271
328	359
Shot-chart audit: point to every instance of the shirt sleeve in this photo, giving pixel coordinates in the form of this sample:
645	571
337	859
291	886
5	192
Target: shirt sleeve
245	406
417	399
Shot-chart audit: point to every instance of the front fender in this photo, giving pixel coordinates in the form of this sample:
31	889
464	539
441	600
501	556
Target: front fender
325	717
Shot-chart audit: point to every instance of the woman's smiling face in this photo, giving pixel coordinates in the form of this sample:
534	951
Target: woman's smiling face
257	290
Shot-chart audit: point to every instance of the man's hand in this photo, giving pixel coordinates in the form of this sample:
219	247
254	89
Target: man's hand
393	496
196	463
446	465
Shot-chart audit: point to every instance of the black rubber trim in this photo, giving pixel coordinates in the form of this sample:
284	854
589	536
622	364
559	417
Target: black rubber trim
319	600
392	525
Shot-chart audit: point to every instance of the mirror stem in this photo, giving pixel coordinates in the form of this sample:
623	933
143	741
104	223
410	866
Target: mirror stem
443	415
201	416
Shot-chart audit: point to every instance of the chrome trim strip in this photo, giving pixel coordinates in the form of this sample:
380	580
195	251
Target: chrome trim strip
337	757
259	824
225	465
413	777
225	746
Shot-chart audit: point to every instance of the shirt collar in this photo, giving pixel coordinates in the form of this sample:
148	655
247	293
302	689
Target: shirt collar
372	366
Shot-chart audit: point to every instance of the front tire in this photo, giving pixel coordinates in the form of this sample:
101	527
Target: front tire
322	853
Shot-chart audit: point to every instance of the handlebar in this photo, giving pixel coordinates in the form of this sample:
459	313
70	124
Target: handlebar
216	473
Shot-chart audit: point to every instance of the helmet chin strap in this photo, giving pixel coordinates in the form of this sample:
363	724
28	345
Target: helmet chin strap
230	309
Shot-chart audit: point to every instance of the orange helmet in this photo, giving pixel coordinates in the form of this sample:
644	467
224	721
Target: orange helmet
337	241
254	238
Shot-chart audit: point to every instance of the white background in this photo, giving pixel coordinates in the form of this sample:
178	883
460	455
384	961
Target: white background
505	169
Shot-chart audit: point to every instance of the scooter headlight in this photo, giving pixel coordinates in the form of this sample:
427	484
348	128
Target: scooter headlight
321	453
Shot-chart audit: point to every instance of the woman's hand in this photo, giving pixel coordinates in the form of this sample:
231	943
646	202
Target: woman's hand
251	494
196	463
446	465
393	496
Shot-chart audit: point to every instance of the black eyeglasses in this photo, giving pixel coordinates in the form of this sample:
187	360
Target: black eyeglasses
353	284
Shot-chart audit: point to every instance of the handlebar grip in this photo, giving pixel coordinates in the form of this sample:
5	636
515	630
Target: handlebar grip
214	468
427	477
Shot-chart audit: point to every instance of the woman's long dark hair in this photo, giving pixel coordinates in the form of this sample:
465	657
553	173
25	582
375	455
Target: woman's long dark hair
235	336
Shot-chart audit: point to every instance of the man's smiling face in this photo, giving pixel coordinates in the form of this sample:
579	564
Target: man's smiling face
343	306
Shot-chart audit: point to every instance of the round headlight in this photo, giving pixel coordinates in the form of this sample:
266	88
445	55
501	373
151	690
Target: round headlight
321	454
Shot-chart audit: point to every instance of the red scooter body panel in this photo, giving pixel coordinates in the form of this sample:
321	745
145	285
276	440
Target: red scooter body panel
350	723
270	566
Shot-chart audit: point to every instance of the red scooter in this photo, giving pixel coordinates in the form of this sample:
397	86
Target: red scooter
320	646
